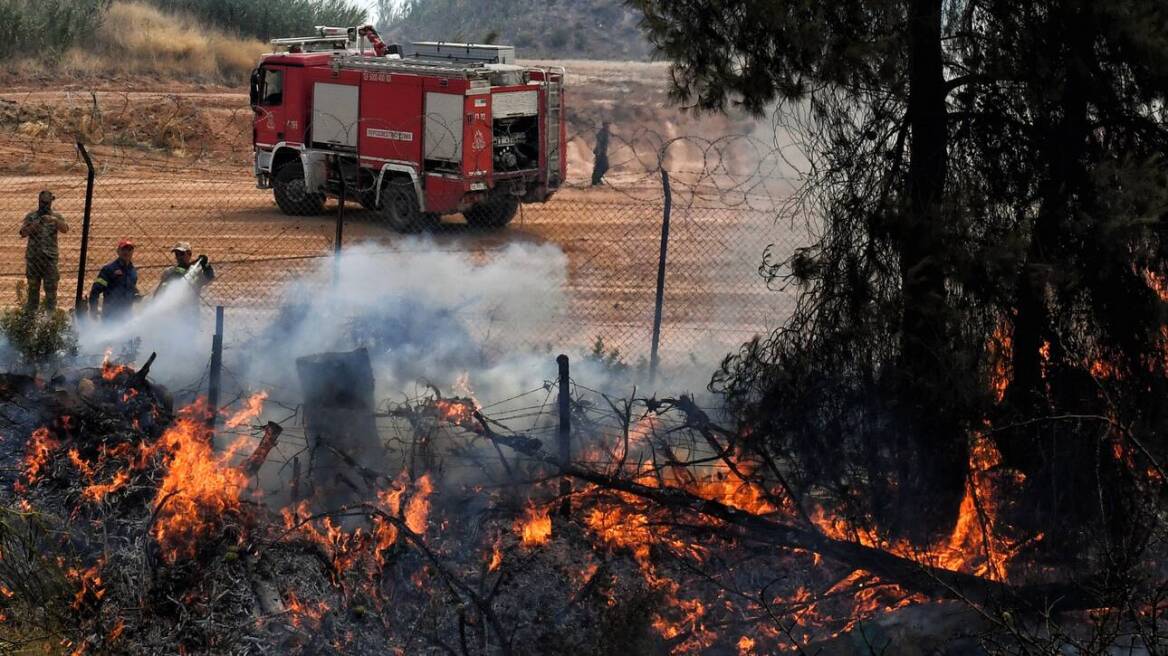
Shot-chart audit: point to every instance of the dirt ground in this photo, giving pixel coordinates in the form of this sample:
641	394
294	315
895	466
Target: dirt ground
174	163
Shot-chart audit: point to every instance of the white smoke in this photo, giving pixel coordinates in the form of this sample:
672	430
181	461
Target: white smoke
423	313
168	324
426	314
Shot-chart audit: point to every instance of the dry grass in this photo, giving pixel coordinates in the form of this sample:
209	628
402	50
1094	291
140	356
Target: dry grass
138	38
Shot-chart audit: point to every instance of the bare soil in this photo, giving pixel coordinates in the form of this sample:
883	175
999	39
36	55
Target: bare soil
174	162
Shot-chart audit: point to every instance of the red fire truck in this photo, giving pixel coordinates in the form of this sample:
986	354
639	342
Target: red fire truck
439	128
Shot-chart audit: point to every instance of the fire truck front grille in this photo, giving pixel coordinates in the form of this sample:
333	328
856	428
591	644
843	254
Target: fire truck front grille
516	144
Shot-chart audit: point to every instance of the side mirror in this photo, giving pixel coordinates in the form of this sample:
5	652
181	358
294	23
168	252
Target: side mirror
257	78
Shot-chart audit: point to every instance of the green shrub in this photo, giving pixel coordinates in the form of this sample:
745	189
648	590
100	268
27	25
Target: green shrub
37	337
47	28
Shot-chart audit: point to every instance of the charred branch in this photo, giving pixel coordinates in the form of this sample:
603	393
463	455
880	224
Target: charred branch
257	458
934	582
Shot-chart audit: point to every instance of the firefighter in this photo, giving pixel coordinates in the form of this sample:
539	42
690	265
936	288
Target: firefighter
182	265
600	163
118	283
40	256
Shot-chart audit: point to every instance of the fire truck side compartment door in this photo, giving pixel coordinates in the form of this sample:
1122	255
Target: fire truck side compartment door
443	136
335	114
315	170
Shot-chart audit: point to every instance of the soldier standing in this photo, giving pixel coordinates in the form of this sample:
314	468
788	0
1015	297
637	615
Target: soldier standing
600	163
40	256
118	283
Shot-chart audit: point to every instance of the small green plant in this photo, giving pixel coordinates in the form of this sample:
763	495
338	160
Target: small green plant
37	336
608	358
613	362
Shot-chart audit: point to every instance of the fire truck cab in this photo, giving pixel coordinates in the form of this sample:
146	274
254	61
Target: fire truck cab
441	128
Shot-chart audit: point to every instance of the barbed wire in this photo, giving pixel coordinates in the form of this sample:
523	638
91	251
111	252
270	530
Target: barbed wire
727	192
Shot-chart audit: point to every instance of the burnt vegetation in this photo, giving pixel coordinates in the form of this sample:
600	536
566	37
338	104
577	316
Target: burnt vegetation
989	183
957	444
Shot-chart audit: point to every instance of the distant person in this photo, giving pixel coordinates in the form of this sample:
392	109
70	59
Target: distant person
118	283
600	163
40	228
182	267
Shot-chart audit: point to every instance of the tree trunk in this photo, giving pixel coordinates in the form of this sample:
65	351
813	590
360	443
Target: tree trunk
339	424
932	447
1062	475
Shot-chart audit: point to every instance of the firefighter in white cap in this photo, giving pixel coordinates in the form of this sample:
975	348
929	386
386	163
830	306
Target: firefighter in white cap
40	228
197	272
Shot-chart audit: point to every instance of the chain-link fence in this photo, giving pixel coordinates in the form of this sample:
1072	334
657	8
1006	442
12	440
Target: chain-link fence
165	173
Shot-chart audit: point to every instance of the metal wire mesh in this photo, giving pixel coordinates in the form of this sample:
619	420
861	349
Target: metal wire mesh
174	181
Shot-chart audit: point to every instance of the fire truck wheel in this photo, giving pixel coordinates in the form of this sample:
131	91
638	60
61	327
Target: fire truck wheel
494	213
399	206
291	194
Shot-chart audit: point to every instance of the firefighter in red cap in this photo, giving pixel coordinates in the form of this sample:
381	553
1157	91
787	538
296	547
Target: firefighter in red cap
118	283
40	256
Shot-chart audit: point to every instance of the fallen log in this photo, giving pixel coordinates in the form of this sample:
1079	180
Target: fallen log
913	576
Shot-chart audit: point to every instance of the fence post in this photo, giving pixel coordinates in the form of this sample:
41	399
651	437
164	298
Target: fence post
660	276
84	226
340	224
565	434
216	368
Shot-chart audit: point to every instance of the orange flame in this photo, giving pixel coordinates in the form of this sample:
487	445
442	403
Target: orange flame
459	412
98	491
117	631
251	410
496	557
978	544
1157	283
89	585
418	508
200	487
109	370
40	447
1000	348
535	527
301	614
975	546
346	549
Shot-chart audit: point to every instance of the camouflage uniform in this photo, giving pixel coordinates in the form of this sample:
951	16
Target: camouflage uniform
41	256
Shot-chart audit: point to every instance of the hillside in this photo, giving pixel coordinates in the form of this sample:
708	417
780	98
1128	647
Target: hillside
195	40
554	29
127	38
